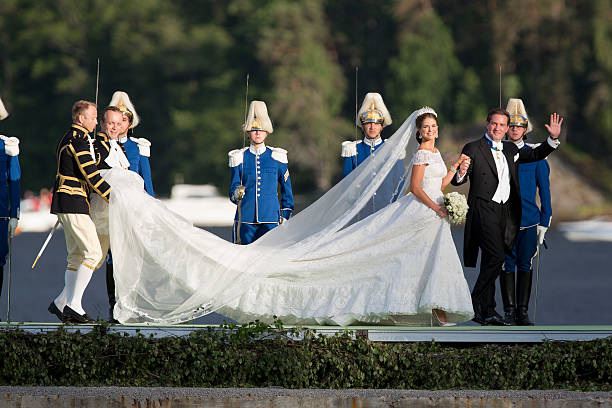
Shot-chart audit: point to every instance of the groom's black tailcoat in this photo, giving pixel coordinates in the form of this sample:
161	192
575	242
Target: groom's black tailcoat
490	226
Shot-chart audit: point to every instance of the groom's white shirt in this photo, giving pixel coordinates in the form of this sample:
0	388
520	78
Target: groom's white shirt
116	157
502	193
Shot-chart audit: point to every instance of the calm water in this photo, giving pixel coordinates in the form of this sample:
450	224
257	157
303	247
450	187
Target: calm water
575	284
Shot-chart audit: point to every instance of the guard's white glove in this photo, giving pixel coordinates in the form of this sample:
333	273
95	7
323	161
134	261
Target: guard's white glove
12	226
239	193
541	232
282	219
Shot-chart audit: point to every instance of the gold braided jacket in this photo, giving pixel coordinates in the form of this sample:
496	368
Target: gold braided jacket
77	174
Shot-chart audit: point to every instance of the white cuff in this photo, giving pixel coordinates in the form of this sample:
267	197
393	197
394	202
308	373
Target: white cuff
554	143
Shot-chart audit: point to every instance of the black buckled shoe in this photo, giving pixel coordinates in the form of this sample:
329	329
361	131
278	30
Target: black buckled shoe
495	320
53	309
74	317
478	319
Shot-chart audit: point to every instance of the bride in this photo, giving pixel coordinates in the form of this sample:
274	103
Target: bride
396	266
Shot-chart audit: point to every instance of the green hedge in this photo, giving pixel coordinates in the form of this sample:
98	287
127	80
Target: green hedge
257	355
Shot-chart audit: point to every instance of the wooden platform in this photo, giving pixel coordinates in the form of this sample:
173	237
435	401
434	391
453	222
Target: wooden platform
457	334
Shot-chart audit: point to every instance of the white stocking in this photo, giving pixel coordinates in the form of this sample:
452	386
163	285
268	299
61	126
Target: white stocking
82	277
62	299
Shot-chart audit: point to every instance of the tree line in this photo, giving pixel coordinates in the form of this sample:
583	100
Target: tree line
185	64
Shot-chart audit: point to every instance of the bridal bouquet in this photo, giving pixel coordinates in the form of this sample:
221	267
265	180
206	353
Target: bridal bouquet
457	207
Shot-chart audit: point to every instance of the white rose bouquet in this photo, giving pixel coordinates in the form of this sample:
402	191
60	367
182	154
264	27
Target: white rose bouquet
457	207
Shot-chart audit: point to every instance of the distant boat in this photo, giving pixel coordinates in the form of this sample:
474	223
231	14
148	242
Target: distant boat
201	204
597	229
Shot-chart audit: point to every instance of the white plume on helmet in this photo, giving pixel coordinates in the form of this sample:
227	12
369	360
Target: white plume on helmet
257	118
3	113
122	101
518	114
373	109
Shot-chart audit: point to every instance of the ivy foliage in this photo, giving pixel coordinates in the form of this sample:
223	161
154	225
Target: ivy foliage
259	355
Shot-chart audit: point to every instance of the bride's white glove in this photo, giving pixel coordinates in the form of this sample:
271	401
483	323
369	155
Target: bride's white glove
12	226
541	232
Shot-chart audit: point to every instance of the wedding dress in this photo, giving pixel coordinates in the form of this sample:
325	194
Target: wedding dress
392	267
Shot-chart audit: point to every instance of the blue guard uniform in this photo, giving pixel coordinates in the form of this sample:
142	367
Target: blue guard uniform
138	151
10	173
373	110
533	179
261	171
256	172
353	153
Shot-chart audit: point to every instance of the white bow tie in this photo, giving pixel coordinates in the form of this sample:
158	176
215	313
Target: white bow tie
498	145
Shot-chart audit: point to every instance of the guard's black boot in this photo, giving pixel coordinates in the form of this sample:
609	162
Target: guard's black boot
506	284
523	292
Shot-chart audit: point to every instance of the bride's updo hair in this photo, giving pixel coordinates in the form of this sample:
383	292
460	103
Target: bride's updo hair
419	121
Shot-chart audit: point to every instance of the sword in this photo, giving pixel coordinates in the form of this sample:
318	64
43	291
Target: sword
238	240
46	243
535	300
246	102
8	293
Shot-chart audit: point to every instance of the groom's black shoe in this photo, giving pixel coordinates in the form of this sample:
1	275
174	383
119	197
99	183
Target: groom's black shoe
495	320
478	319
74	317
54	310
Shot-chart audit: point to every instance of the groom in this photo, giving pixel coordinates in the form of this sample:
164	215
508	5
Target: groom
494	199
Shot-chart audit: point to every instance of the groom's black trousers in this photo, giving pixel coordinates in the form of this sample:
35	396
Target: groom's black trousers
490	219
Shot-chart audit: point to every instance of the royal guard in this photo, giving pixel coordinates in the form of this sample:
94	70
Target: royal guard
76	178
371	118
533	179
138	150
9	191
255	174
